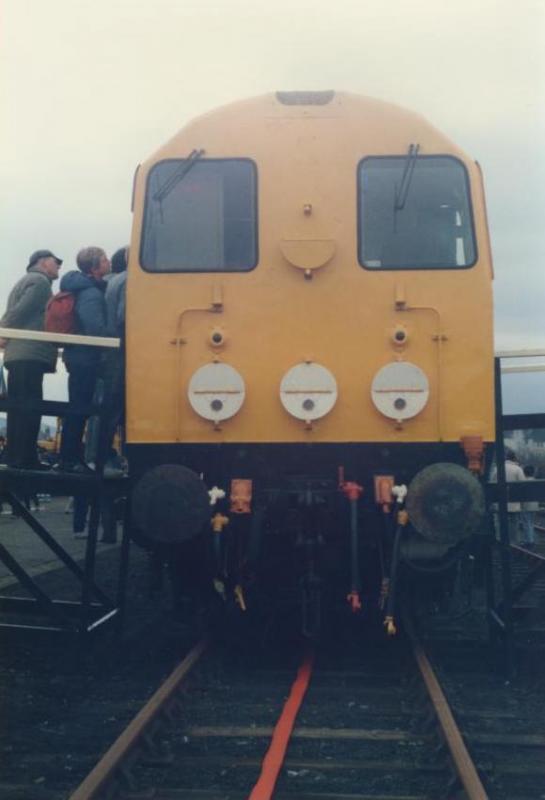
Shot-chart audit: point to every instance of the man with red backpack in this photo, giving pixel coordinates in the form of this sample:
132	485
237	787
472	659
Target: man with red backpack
88	286
27	361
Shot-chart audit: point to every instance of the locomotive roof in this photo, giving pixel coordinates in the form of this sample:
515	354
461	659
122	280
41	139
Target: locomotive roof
254	118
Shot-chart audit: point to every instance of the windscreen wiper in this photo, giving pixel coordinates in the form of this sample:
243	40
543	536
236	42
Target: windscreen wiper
403	189
178	175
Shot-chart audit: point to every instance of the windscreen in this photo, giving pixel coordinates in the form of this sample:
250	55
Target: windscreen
200	216
414	213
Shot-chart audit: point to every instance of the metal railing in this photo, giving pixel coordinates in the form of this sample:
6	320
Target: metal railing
95	607
60	338
502	492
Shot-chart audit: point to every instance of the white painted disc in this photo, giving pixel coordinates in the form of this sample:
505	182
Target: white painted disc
308	391
216	391
400	390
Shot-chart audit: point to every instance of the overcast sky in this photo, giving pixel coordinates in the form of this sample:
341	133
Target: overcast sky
89	88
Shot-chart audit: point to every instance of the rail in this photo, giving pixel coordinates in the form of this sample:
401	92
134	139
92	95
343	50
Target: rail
114	762
462	761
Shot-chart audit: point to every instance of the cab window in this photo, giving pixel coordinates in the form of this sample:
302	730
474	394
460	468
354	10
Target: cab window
200	216
414	213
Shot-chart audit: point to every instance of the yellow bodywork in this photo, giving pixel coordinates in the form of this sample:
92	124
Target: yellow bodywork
309	299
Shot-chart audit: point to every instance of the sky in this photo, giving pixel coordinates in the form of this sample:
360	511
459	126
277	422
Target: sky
89	88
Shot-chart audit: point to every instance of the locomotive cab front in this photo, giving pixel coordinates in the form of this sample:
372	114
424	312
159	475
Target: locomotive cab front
309	310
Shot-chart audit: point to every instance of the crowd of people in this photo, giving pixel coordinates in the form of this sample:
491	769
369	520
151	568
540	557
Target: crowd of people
97	289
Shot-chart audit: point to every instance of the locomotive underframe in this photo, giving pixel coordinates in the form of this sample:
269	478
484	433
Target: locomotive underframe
270	465
327	548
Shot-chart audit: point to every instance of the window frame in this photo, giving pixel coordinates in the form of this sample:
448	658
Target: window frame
467	182
147	198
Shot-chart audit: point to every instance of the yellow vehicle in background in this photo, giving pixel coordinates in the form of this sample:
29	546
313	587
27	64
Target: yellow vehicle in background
50	446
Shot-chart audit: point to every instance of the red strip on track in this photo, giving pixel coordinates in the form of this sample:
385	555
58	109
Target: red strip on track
274	758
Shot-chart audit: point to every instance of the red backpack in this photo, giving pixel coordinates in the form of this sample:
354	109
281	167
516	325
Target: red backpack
60	313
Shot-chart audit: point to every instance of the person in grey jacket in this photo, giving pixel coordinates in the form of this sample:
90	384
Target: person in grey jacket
113	366
27	361
115	293
82	361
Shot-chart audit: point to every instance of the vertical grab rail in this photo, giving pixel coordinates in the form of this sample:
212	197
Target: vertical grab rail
505	555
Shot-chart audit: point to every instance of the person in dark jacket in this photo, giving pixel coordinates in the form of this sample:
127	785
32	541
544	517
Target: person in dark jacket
82	361
27	361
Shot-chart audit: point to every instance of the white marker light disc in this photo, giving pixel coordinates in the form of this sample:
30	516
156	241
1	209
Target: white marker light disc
216	391
308	391
400	390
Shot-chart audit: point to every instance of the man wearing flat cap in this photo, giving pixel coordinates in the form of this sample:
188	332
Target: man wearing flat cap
25	360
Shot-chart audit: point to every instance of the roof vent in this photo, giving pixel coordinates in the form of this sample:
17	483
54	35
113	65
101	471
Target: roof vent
305	98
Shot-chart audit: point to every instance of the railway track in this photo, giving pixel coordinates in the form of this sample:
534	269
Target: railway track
371	727
528	576
501	721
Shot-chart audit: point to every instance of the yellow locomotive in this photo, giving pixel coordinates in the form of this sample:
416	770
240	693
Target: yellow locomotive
309	324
